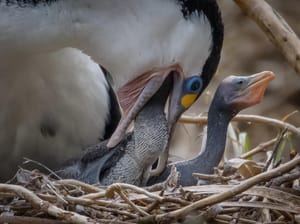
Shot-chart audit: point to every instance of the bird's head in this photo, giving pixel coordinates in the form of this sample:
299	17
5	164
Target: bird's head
192	57
239	92
183	94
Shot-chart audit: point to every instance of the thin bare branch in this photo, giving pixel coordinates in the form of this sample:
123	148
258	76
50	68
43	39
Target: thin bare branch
28	220
275	28
247	118
45	206
260	148
76	183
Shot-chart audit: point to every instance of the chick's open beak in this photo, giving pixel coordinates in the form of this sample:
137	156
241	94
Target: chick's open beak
255	90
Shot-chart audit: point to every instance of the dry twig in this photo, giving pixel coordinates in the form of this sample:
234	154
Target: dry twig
260	148
76	183
276	29
247	118
288	177
45	206
233	191
28	220
212	177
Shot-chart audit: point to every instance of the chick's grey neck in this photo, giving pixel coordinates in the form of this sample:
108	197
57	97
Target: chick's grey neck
150	127
213	152
218	121
149	138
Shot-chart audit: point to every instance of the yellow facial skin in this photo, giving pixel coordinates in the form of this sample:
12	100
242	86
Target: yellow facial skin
187	100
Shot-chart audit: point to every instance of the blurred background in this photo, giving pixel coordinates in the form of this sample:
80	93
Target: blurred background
247	51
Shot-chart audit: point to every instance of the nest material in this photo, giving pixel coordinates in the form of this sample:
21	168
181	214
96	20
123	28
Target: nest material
272	196
240	192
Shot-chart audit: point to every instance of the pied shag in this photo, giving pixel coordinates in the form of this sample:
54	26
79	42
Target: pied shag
135	40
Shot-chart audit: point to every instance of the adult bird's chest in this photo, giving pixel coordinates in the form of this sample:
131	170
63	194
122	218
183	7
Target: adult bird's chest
49	113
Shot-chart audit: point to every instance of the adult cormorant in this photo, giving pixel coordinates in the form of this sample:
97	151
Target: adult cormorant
135	40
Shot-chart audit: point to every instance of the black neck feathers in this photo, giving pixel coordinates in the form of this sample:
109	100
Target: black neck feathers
211	10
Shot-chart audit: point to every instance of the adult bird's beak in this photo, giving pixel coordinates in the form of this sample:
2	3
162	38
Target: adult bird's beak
136	93
254	92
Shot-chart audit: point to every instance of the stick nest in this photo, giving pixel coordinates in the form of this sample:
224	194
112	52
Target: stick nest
271	196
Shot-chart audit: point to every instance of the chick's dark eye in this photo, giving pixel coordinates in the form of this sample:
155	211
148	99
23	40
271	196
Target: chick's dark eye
240	82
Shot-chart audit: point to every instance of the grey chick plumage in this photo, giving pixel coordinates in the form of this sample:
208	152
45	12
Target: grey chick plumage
131	160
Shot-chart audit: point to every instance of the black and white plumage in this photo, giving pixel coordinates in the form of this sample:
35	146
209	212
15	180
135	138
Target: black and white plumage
52	117
234	94
132	39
